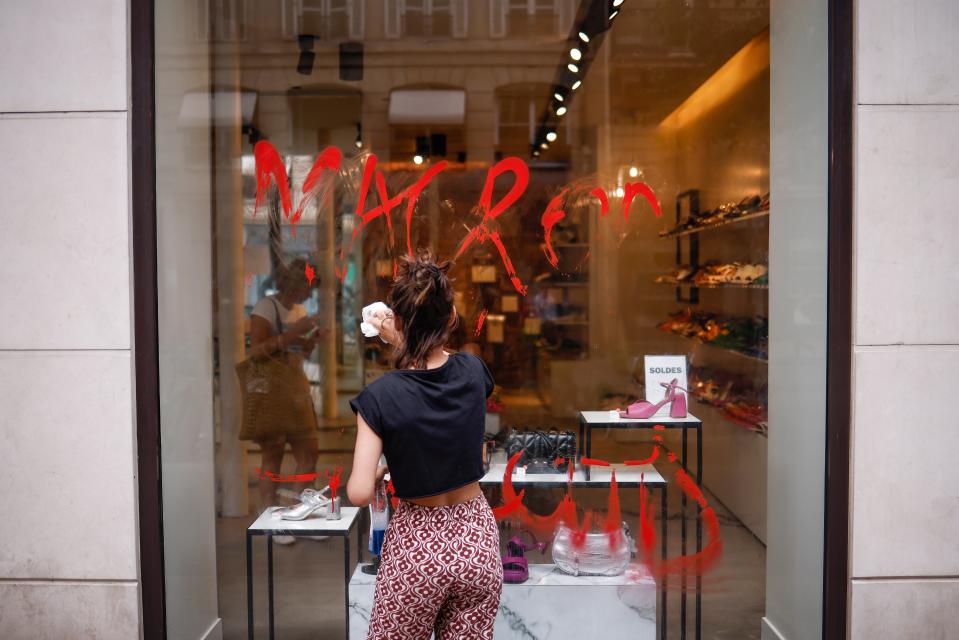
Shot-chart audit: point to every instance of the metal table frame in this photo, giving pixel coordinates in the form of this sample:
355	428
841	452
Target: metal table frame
318	526
555	481
594	421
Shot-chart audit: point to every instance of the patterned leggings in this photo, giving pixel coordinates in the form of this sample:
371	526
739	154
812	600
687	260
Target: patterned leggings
440	572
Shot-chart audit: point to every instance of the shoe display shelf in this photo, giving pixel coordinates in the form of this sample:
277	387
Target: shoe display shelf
268	525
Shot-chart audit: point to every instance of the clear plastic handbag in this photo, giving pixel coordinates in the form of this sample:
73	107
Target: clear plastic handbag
596	556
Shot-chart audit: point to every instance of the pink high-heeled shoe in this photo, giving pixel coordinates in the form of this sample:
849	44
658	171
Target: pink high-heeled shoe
645	409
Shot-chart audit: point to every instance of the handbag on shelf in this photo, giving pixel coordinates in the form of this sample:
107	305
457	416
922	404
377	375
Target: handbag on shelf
542	451
275	394
596	556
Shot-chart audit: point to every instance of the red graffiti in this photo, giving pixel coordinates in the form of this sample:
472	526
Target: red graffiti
553	214
650	460
633	189
269	167
334	478
483	232
310	274
544	526
592	462
328	161
275	477
391	491
599	193
413	193
479	322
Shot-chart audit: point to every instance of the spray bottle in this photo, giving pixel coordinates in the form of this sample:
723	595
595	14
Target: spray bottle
379	519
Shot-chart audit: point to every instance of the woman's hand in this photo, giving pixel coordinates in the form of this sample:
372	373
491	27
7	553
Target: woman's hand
384	322
302	326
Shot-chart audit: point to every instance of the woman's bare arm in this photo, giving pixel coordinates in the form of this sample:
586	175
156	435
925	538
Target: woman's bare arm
367	472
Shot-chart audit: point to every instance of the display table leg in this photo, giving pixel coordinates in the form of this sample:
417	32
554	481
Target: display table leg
682	537
589	448
346	582
249	586
664	550
269	578
699	530
579	445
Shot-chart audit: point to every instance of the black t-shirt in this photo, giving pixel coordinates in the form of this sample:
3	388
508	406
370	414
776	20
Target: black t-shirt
431	422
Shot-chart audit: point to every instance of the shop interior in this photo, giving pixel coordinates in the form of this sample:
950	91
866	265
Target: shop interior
671	95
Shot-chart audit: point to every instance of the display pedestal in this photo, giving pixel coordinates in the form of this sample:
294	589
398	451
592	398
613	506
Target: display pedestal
551	605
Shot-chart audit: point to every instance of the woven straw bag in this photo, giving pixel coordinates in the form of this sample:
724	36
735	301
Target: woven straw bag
276	397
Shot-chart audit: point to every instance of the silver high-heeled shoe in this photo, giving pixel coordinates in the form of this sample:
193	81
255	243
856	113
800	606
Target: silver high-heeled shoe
311	501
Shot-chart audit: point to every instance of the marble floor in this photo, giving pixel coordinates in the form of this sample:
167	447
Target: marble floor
309	595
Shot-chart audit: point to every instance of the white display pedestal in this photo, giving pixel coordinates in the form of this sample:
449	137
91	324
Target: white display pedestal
551	605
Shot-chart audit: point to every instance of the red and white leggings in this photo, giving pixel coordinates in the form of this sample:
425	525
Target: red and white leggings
440	572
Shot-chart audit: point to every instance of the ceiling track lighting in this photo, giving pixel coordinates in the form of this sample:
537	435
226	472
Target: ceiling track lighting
613	15
584	37
576	85
550	136
561	111
572	67
616	3
576	54
558	96
417	159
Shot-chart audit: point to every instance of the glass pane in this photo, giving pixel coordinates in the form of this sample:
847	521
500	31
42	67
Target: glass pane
603	187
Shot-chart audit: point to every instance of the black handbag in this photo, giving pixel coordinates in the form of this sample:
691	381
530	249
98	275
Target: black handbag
542	451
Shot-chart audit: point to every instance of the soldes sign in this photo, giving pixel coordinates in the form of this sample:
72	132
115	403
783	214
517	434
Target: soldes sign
270	169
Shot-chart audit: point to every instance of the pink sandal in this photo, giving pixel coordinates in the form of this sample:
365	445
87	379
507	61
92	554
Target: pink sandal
644	409
515	564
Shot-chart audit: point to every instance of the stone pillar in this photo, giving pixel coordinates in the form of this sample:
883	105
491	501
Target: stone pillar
231	462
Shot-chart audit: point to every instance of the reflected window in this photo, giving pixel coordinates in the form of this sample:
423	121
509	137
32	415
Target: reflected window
426	18
532	17
327	19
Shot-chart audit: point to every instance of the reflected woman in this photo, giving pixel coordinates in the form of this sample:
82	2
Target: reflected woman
440	570
280	331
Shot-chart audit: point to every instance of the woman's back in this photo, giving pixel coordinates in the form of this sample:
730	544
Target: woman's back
431	422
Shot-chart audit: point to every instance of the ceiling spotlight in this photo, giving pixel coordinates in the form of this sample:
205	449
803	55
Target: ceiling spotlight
550	136
616	3
575	54
359	143
633	172
558	96
620	192
543	145
613	15
583	36
576	85
359	135
536	153
561	111
417	159
572	67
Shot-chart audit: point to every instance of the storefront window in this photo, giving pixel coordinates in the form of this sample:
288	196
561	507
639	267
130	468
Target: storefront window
599	171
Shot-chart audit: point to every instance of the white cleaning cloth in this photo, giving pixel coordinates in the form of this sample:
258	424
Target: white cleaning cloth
369	330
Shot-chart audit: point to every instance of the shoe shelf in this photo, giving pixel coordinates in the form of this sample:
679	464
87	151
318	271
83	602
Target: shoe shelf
676	233
743	354
719	285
